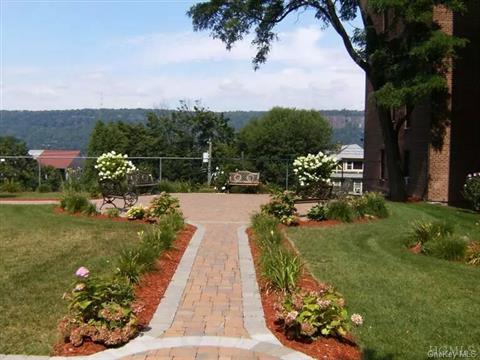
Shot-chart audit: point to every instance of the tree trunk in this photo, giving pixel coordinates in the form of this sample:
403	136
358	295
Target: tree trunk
396	181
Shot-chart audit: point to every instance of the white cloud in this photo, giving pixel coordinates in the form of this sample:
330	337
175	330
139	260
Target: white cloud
300	72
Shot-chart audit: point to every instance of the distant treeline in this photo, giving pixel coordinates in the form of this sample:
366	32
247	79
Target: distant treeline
71	129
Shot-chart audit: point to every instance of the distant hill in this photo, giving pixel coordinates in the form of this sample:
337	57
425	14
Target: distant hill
70	129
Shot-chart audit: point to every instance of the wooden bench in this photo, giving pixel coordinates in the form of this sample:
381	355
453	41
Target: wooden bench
127	191
243	178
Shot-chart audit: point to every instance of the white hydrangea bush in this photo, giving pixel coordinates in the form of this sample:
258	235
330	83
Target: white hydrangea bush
113	166
314	169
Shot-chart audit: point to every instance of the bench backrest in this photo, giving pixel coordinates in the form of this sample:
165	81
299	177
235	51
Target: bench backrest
243	178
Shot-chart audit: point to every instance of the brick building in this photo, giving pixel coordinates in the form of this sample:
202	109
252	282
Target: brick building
430	173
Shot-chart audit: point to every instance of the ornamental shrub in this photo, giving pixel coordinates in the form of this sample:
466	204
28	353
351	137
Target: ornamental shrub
74	202
370	204
163	204
280	268
471	190
11	186
307	315
313	174
114	167
318	212
340	210
112	213
137	212
426	231
451	247
99	309
282	207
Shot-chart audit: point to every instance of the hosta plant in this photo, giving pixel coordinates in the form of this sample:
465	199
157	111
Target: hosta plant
317	212
313	314
114	167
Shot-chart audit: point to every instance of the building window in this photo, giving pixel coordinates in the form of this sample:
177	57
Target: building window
382	164
358	165
357	187
406	163
349	165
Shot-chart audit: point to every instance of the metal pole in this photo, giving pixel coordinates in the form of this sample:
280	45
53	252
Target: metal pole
160	170
286	178
209	169
39	173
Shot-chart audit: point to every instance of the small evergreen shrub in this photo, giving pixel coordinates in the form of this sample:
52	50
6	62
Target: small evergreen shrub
450	247
473	253
280	268
340	210
317	213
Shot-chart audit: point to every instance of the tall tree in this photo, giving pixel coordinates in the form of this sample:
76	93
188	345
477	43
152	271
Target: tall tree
20	170
281	135
404	60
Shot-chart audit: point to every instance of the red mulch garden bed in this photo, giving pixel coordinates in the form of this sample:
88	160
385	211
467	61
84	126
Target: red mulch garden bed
321	348
148	292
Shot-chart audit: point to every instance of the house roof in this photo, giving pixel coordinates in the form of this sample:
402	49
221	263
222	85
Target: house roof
60	159
352	151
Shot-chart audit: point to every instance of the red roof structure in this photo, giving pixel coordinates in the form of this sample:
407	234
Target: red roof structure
59	159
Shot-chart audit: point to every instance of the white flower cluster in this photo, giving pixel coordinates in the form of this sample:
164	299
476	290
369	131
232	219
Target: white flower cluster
313	169
473	175
113	166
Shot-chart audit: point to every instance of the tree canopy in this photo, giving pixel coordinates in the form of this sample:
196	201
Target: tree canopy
400	47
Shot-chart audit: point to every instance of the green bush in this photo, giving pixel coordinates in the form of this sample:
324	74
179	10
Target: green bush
450	247
129	266
280	268
175	187
163	204
11	186
137	212
282	206
74	202
340	210
44	188
100	310
112	213
267	234
174	220
425	231
471	190
473	253
318	212
308	315
371	204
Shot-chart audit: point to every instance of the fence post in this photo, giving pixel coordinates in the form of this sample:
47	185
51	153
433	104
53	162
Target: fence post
160	170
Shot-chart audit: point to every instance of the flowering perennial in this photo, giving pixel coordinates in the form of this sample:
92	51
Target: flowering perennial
113	166
313	169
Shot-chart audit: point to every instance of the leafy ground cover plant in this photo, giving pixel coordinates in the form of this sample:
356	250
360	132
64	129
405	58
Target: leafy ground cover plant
312	314
317	212
471	190
163	204
371	204
112	213
99	309
282	207
137	212
425	231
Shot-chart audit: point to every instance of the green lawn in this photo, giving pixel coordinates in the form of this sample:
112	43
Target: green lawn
30	195
40	251
410	302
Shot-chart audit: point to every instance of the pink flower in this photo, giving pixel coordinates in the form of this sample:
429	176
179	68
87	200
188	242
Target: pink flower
357	319
82	272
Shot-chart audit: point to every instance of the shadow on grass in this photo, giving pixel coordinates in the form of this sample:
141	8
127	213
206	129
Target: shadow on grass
8	196
371	354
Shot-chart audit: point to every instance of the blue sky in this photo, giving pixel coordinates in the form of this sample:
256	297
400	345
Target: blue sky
66	54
